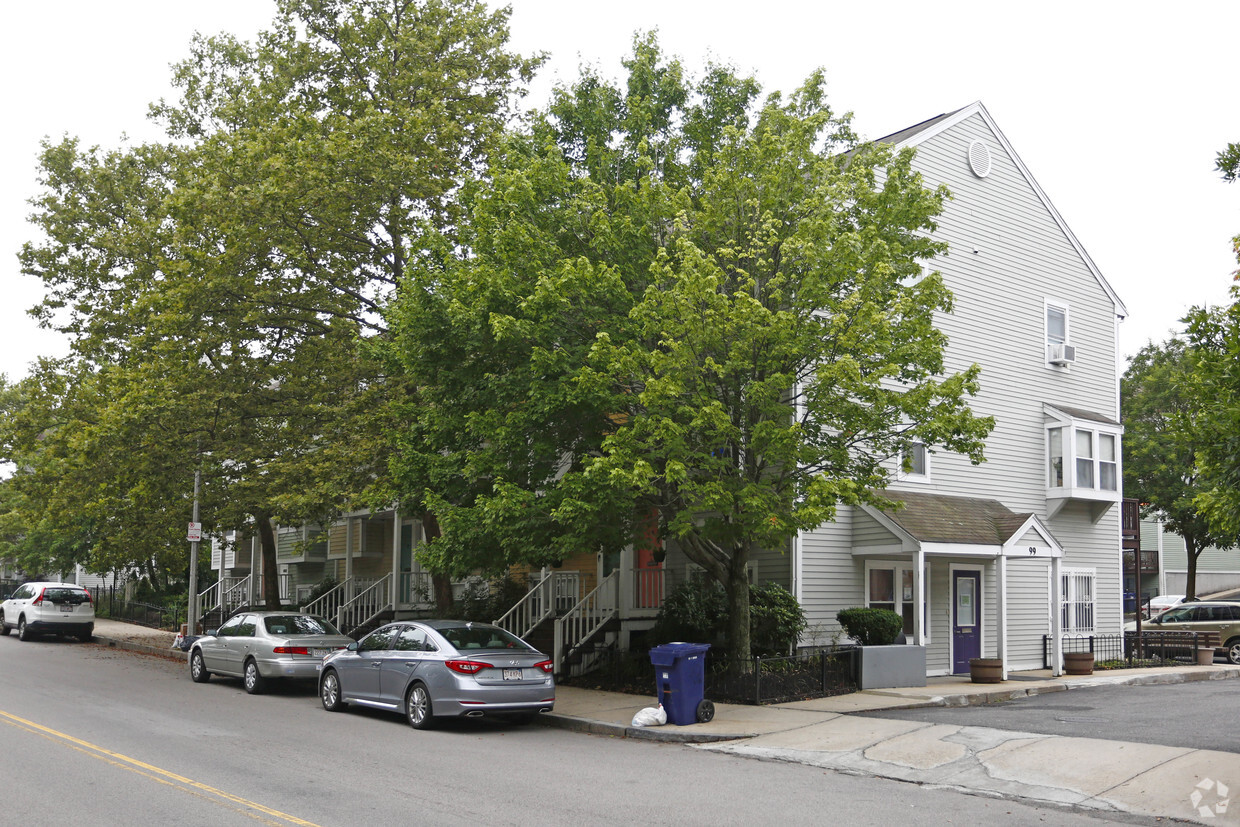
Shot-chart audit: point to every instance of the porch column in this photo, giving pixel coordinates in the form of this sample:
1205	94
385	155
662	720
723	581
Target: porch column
627	573
1001	613
348	557
395	590
919	597
1056	621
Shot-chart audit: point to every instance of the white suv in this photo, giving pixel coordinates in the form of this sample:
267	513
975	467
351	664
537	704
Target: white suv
49	608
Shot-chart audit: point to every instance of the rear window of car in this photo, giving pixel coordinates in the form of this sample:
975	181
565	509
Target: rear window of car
298	625
62	595
482	637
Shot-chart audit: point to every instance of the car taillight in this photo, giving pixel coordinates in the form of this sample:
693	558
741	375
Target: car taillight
290	650
546	666
467	667
89	599
38	601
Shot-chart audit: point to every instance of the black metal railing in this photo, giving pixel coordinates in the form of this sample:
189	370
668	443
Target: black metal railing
1155	648
810	673
110	602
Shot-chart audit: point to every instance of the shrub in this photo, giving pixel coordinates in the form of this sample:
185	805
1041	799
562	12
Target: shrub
697	610
871	627
776	620
486	601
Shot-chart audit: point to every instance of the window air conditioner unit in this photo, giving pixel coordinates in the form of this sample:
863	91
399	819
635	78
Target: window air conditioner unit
1061	354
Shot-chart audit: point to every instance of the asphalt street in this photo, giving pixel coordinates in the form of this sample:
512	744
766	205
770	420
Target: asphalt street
1191	715
125	738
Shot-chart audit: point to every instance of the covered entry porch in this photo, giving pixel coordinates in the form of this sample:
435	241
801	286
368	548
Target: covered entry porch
970	577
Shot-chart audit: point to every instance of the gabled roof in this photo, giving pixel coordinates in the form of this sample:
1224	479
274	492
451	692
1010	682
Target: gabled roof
914	135
958	521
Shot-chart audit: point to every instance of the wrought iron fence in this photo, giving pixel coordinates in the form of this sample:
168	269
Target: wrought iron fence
1156	648
110	602
810	673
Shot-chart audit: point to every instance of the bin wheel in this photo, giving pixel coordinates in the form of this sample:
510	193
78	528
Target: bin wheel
705	712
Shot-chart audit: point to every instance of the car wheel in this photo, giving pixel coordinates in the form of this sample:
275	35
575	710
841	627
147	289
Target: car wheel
1233	650
254	682
88	635
418	707
329	692
4	627
198	668
23	631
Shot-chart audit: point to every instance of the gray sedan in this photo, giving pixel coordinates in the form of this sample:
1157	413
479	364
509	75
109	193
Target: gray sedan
438	669
261	646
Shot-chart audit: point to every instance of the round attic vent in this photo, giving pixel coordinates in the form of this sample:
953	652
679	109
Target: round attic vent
979	158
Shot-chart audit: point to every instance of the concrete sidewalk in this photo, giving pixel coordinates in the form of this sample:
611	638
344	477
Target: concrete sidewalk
833	733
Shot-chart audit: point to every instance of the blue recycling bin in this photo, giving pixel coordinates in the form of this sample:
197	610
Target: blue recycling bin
680	681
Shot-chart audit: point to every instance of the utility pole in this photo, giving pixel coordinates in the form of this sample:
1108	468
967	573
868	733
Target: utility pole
195	534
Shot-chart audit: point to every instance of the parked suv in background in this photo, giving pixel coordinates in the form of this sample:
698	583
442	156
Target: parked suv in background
1204	616
48	609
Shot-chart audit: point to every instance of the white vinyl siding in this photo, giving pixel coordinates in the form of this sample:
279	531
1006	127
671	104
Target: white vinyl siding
1023	259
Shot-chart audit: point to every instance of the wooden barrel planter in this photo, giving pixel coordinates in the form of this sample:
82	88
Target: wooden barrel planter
986	670
1078	663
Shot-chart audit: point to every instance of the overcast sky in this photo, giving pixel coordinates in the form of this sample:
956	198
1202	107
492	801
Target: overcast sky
1117	109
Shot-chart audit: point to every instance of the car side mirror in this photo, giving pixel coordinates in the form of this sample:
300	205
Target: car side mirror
352	647
213	632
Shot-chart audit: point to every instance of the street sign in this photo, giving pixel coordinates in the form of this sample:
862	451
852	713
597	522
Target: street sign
195	532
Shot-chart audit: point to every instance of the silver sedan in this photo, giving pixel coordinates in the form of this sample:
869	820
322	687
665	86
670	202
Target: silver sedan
439	669
261	646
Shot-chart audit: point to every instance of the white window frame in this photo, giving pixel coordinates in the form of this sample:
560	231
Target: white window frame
914	476
1047	305
1078	606
1072	432
898	568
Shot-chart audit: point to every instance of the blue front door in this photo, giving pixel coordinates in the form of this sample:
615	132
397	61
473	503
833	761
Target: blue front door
966	619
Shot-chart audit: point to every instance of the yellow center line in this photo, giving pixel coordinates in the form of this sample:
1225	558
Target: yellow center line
154	773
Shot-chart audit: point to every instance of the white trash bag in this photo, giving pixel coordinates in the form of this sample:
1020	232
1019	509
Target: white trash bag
650	716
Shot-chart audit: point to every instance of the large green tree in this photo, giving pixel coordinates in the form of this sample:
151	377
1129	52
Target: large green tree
1166	425
674	298
219	288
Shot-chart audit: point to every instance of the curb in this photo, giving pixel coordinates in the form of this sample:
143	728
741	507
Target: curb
592	727
142	648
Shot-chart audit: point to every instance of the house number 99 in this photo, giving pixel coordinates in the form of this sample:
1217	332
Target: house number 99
1033	551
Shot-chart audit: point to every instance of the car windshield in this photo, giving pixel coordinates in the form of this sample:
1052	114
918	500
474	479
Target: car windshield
298	625
482	637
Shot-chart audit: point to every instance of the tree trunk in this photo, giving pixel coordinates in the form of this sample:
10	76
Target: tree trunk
441	583
737	589
1191	552
271	570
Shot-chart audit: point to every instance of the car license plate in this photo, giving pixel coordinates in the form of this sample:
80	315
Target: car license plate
319	653
512	674
66	607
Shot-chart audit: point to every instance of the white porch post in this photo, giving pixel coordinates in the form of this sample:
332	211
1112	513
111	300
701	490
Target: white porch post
919	597
1056	620
627	573
1001	612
